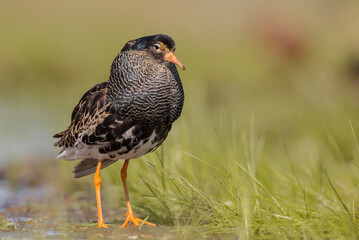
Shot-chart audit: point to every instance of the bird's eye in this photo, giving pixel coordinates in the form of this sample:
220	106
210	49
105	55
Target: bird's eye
157	46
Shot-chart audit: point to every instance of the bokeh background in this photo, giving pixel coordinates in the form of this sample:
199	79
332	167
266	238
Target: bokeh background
263	80
275	60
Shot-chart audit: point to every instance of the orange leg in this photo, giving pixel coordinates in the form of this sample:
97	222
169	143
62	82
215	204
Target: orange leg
97	181
129	215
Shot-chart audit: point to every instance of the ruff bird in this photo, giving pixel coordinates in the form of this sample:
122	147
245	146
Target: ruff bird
127	116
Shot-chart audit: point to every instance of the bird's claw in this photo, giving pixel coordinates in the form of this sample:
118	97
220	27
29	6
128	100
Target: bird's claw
102	225
136	221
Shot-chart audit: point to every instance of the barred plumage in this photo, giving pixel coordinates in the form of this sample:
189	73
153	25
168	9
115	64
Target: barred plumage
131	113
127	116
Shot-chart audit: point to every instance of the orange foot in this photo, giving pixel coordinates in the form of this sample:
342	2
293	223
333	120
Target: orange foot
101	225
136	221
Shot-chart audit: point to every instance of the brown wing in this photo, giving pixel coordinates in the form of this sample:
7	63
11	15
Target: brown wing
91	109
95	121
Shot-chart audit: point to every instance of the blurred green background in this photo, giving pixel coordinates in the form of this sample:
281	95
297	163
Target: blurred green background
263	80
274	60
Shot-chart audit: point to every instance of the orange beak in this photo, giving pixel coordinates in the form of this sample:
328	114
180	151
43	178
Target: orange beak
172	58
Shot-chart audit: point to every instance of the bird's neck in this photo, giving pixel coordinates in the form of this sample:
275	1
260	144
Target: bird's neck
127	71
139	88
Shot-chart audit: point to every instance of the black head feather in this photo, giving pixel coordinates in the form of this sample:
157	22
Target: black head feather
147	42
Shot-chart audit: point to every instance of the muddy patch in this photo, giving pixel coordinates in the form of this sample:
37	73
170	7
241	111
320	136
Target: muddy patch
40	212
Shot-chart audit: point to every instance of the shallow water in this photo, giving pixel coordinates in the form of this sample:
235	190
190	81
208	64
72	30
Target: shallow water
35	219
32	210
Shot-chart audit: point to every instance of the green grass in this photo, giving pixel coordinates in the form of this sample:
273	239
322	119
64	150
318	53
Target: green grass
246	188
288	179
267	144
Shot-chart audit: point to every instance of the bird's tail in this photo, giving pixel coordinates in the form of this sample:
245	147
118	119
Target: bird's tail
89	165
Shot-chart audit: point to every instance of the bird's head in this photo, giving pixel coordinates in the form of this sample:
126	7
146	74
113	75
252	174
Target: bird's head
160	46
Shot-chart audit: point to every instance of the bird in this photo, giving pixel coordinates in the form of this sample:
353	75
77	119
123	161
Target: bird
127	116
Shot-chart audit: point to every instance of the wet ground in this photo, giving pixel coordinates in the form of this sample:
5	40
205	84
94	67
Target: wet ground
35	210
